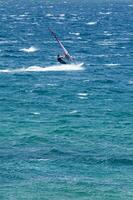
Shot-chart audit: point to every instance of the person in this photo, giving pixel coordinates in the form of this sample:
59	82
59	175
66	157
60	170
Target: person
60	59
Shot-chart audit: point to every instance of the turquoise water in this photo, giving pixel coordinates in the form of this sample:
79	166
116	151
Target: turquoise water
66	131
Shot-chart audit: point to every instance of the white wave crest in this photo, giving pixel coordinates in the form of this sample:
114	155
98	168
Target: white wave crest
73	112
112	64
49	15
62	15
130	82
67	67
8	41
35	113
107	43
107	33
105	13
82	94
59	22
29	50
72	33
91	23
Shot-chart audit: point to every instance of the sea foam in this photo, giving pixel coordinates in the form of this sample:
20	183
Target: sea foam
29	50
72	33
49	15
112	64
67	67
105	13
130	82
91	23
82	94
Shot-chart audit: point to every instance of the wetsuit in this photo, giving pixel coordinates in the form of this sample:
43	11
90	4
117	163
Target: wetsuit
60	60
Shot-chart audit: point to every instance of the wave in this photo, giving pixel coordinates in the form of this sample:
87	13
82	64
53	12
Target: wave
105	13
82	94
72	33
120	161
67	67
35	113
49	15
62	15
130	82
91	23
107	43
29	50
109	161
73	112
8	41
59	22
98	55
112	64
107	33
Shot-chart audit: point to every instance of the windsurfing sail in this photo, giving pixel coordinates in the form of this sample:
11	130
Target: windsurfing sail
65	52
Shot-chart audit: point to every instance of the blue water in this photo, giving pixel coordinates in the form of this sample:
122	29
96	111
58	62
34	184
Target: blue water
66	132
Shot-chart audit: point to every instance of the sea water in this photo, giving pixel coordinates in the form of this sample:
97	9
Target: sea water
66	132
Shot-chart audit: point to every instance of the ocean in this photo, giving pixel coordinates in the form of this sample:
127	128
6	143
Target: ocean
66	131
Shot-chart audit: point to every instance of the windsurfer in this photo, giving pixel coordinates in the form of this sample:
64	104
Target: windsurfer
66	55
60	59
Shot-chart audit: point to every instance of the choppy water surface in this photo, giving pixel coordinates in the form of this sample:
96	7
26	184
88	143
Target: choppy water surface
66	132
